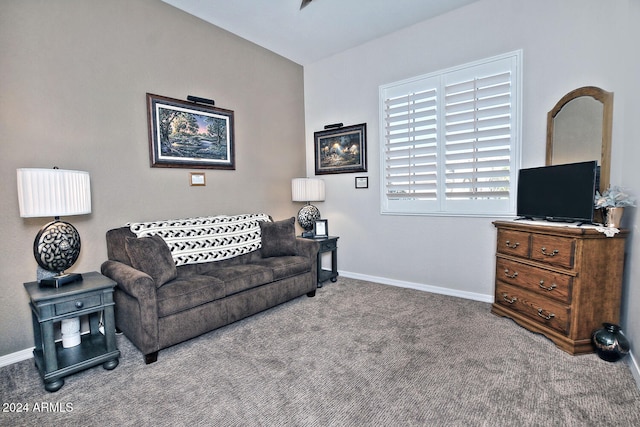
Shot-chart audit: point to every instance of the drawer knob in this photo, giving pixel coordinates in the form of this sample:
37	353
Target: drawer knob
510	276
545	316
506	298
547	288
553	253
79	304
512	246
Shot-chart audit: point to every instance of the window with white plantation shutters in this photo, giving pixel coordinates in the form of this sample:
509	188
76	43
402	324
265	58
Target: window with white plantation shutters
450	140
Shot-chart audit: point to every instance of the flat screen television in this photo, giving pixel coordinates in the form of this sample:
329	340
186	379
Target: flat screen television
559	192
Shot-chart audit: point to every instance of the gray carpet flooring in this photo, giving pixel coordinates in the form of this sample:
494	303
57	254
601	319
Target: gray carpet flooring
358	354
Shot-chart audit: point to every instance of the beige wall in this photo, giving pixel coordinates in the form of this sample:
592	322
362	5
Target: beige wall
73	78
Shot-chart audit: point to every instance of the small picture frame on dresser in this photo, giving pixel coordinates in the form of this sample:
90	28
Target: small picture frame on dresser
320	229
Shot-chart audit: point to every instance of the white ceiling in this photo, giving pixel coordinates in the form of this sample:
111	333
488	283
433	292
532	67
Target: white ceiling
323	28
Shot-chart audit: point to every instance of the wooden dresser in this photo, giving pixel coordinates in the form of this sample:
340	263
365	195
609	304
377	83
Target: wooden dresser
562	282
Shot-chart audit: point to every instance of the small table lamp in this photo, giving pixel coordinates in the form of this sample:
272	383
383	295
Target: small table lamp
307	190
54	193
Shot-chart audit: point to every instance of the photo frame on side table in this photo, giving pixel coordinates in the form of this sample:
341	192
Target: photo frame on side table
185	134
320	229
341	150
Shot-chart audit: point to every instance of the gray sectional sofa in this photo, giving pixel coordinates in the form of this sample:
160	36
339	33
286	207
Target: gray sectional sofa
181	278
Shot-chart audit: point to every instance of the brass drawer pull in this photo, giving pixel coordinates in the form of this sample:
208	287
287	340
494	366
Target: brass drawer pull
510	246
547	288
509	300
510	276
547	317
544	252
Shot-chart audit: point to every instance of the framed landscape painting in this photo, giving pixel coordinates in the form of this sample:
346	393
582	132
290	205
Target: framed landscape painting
341	150
185	134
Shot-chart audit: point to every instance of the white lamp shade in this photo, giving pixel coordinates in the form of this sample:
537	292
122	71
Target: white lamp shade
53	192
307	190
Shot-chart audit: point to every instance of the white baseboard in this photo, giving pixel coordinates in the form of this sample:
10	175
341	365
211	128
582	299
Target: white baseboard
16	357
421	287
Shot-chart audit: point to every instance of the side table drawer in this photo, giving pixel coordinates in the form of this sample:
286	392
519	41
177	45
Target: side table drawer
328	245
78	304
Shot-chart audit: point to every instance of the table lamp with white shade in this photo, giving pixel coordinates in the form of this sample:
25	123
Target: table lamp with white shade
54	193
307	190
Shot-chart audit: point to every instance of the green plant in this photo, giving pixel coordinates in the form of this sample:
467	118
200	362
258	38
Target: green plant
614	197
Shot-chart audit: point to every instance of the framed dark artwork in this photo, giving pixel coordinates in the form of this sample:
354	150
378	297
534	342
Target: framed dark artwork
321	228
341	150
185	134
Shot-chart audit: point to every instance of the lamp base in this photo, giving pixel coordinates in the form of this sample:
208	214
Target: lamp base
306	217
57	246
60	280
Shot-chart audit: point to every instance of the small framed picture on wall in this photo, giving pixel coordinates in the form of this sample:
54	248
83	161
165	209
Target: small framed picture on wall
197	179
362	182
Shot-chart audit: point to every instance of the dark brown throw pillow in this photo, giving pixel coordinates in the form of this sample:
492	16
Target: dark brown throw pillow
278	238
151	255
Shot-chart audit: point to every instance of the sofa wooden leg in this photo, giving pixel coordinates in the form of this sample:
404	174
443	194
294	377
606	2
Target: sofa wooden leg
311	294
151	357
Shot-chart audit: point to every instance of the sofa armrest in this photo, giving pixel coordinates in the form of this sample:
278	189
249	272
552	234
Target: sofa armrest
141	319
134	282
309	248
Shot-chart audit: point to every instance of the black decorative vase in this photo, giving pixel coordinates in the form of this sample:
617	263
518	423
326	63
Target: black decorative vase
610	343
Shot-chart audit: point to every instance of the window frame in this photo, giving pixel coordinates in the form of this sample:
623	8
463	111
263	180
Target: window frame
442	206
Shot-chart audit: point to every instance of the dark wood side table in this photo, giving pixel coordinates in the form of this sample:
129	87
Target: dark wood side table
92	296
327	244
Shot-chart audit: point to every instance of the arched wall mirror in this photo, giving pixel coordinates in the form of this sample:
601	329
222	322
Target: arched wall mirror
579	129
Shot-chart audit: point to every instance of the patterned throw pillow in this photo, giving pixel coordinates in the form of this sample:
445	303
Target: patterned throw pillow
278	238
152	256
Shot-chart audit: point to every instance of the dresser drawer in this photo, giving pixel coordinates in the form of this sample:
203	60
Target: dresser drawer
78	304
513	243
540	281
542	310
553	250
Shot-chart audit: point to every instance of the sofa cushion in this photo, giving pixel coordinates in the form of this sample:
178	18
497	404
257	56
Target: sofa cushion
186	292
238	278
286	266
152	256
278	238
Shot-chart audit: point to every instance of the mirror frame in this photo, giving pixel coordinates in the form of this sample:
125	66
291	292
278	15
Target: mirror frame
606	98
